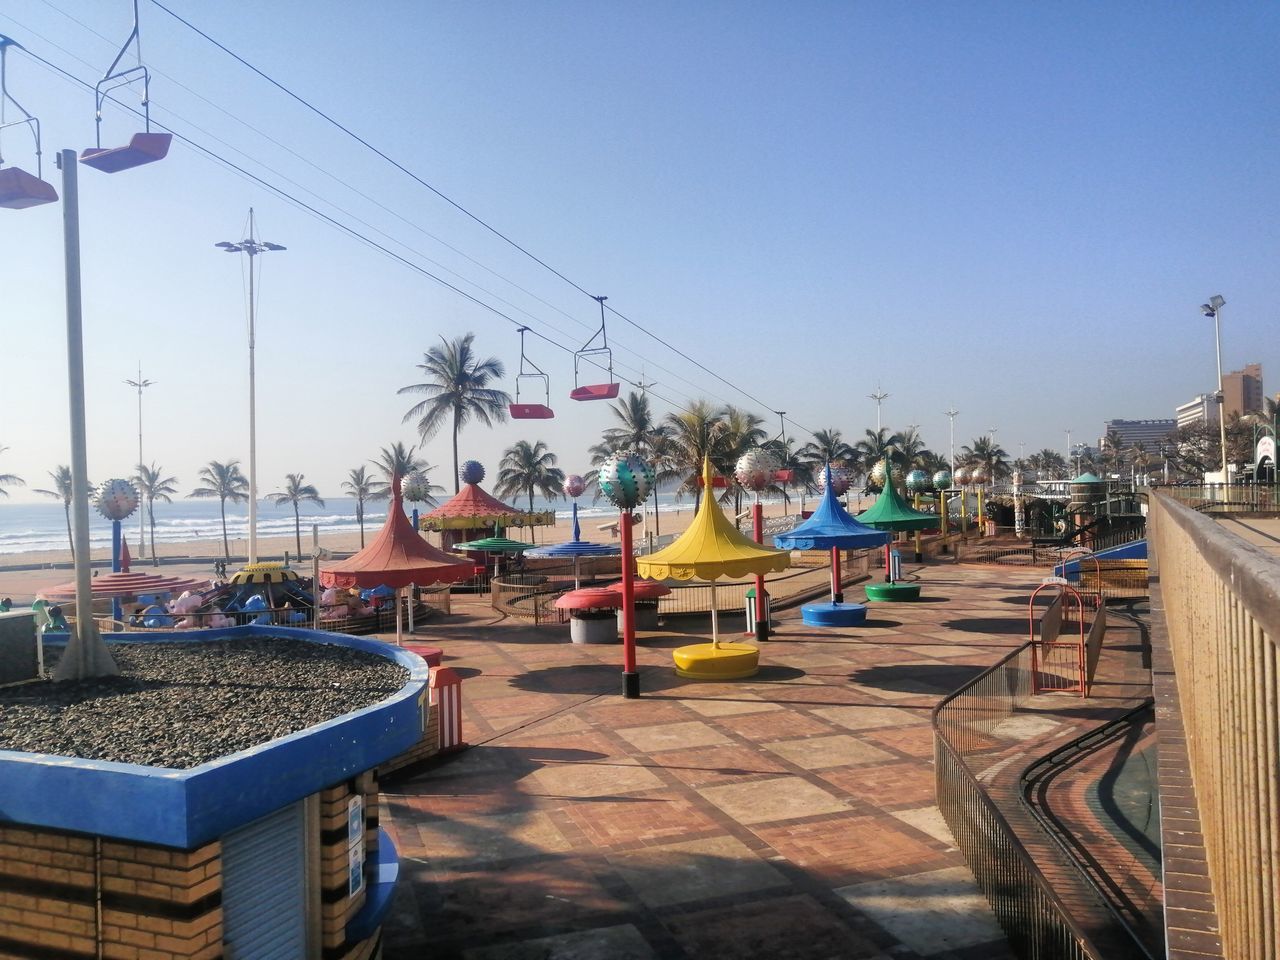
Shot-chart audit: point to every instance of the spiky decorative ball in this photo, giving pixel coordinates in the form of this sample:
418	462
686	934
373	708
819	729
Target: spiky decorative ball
755	469
917	481
978	475
626	480
574	485
416	487
962	477
876	477
840	481
116	499
471	471
942	480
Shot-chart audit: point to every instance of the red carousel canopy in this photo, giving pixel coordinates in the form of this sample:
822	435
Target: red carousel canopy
120	585
471	508
397	557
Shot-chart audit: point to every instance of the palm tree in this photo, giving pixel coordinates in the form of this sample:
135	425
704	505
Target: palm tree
876	444
61	478
1048	464
226	482
529	468
987	453
801	467
361	486
153	486
458	386
9	479
827	446
398	460
296	492
637	431
698	434
912	454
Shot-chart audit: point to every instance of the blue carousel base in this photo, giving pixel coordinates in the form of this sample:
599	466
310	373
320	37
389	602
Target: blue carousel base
833	614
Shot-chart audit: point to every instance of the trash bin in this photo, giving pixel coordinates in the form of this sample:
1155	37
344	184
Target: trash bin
751	609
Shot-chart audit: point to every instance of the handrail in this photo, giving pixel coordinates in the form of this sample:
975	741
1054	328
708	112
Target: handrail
1035	920
1221	599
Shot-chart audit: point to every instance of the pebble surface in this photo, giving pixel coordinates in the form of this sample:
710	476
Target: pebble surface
183	704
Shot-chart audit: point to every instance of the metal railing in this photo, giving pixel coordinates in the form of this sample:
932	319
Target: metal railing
1222	612
1246	498
1035	920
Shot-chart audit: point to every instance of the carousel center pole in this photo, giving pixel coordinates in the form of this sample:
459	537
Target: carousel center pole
630	678
762	617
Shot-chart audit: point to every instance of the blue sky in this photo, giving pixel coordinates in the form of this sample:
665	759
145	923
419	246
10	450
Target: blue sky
1014	209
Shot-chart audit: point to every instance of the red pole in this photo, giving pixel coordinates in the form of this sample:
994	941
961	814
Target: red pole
837	595
762	618
630	678
888	575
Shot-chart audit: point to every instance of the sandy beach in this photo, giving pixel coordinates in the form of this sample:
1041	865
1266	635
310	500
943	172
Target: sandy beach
46	568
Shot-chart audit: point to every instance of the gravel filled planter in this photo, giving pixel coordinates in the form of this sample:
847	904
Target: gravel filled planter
179	705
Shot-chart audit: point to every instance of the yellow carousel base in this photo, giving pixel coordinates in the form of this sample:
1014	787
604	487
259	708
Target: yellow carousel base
728	661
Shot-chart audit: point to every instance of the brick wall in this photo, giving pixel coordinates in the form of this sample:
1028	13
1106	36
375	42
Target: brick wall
156	903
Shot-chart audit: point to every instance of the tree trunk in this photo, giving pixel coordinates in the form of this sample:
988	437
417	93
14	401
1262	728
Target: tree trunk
457	480
226	547
66	508
151	514
297	529
360	520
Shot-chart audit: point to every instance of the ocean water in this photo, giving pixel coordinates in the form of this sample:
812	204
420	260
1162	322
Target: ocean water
42	526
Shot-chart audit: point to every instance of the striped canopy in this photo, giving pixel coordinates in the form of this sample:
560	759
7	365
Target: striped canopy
124	585
577	547
264	573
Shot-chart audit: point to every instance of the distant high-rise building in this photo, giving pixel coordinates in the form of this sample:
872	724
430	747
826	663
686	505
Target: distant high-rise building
1203	408
1242	390
1149	433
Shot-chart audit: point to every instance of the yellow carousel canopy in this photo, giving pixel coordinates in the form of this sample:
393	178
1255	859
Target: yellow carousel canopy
711	548
264	573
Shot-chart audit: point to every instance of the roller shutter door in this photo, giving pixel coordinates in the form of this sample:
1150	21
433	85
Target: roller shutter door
264	888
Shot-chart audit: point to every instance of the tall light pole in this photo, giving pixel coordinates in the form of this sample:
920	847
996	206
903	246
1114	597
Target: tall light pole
1068	444
252	246
952	412
140	384
1213	309
878	396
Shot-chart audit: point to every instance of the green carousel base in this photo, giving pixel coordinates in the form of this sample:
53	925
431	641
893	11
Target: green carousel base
726	661
893	591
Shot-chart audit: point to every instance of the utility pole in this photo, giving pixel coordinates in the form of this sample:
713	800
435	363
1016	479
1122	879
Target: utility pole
951	414
251	246
140	384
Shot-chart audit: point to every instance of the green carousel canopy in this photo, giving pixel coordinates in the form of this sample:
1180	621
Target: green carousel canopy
494	545
891	512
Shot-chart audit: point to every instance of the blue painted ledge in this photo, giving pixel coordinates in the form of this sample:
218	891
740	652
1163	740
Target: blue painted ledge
386	870
187	808
1126	551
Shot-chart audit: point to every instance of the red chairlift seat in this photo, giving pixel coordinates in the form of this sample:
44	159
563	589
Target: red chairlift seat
19	189
595	391
531	411
142	148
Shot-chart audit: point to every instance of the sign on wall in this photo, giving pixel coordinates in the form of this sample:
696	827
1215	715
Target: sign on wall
355	845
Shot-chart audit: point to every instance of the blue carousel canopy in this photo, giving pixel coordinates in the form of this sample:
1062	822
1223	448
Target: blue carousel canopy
831	526
577	547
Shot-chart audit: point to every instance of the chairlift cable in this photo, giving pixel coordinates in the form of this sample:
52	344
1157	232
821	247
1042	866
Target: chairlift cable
443	196
357	235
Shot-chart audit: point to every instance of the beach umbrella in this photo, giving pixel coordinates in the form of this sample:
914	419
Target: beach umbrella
398	556
831	528
891	512
577	548
711	548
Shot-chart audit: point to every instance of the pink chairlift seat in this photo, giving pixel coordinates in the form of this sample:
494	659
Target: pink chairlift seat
142	148
19	189
595	391
531	411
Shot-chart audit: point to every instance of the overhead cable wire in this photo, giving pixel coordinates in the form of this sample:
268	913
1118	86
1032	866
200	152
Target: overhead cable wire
453	203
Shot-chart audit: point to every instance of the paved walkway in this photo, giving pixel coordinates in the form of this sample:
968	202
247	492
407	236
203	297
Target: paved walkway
790	815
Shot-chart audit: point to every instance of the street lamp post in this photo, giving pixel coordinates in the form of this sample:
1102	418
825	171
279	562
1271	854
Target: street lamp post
878	396
1214	309
251	246
140	384
952	412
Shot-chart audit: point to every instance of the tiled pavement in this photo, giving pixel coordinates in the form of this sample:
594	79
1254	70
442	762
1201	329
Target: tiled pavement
789	815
